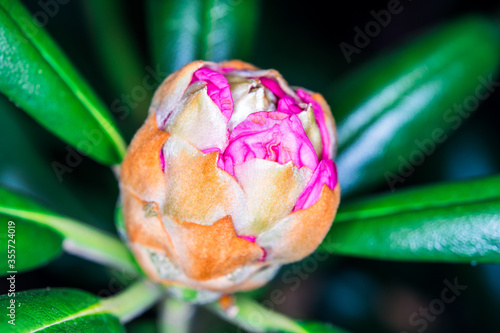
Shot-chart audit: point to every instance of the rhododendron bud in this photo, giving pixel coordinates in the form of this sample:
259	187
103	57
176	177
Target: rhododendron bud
231	176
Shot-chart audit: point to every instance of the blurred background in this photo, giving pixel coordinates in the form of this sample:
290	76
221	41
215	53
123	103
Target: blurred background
301	40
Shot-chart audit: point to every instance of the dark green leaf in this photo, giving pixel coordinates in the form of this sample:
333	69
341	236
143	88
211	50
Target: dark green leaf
57	310
114	43
215	30
80	239
396	109
142	325
456	222
37	76
174	30
228	29
245	15
27	245
121	62
315	327
17	171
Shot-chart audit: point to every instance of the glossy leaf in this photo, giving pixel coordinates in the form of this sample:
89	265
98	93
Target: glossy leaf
228	29
174	30
215	30
394	111
37	76
71	310
455	222
58	310
27	245
79	239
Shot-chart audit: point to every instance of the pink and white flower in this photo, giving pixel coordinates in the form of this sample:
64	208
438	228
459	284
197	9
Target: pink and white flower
231	176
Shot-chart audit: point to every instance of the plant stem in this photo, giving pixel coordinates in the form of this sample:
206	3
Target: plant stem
133	301
82	240
175	316
251	316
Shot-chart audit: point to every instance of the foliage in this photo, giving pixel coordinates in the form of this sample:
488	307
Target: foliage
380	109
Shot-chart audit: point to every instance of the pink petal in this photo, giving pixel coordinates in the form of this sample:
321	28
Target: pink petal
218	89
325	173
288	105
274	136
320	120
285	103
272	85
248	238
264	255
162	160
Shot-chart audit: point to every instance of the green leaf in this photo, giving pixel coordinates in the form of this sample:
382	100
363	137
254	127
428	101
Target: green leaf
174	30
37	76
57	310
395	110
228	29
215	30
79	239
142	325
114	42
17	171
28	246
71	310
455	222
121	62
245	19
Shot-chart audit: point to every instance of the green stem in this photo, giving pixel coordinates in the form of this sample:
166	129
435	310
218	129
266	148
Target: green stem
133	301
251	316
175	316
82	240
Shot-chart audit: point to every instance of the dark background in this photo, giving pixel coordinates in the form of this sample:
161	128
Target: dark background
301	39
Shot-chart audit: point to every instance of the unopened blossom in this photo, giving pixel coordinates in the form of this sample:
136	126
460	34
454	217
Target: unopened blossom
231	176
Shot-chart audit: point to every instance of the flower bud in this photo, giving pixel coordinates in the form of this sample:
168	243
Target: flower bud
231	176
